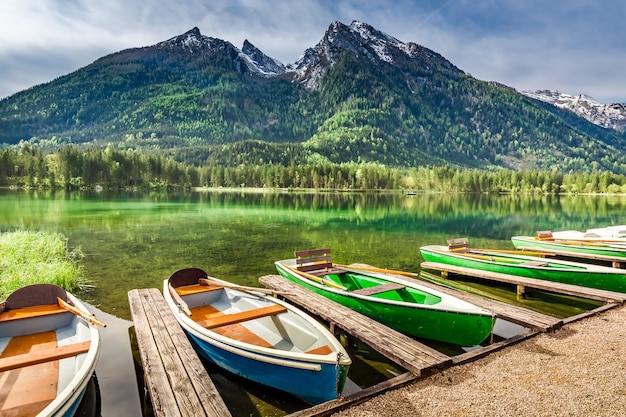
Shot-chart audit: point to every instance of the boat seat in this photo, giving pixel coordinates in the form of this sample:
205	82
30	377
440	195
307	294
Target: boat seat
40	356
196	288
544	235
316	262
392	286
458	245
219	321
33	311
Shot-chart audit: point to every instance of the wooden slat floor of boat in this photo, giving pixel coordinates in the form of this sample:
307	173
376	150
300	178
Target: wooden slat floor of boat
568	289
234	331
377	289
178	383
27	391
403	350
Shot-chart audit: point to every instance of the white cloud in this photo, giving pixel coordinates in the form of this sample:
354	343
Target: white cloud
573	45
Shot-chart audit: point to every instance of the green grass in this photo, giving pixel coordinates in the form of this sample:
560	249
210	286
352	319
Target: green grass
38	257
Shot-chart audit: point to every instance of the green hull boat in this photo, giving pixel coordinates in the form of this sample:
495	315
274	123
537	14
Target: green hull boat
402	305
574	245
575	273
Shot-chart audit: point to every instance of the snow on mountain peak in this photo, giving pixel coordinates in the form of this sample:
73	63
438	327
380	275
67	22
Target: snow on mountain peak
259	63
611	116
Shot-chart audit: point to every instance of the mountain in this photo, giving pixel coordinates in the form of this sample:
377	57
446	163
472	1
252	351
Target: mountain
611	116
359	95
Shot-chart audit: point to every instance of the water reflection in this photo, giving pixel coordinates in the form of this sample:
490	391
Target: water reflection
135	240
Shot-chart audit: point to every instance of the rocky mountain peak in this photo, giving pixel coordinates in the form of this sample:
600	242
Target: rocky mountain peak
612	116
366	43
259	63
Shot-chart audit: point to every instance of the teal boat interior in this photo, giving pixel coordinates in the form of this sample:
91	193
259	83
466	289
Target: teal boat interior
379	288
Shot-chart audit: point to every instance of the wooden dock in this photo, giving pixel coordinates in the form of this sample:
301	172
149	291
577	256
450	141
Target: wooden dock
403	350
567	289
177	381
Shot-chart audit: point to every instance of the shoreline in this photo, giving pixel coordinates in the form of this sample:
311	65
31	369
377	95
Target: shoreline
577	370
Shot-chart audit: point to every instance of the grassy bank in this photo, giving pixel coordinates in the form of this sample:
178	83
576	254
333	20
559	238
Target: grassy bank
38	257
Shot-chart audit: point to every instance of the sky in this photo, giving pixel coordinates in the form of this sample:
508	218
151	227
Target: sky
573	46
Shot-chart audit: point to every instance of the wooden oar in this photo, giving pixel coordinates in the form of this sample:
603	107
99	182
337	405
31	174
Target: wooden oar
514	252
376	269
208	282
181	303
87	317
315	278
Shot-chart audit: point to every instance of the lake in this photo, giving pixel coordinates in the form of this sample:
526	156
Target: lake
136	240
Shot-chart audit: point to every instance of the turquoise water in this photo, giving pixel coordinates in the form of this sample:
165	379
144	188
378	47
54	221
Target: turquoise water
135	240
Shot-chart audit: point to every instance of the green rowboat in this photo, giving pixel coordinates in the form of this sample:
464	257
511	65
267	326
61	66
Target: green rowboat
574	244
575	273
400	304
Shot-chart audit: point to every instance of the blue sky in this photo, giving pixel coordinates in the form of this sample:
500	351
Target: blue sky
574	46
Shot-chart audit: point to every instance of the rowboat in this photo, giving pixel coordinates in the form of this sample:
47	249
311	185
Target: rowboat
575	273
573	242
403	305
49	346
257	336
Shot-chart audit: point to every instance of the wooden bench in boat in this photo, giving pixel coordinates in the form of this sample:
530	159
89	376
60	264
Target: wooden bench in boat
392	286
544	235
34	311
460	244
44	355
227	319
196	288
316	262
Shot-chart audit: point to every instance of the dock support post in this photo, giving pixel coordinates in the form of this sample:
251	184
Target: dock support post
521	291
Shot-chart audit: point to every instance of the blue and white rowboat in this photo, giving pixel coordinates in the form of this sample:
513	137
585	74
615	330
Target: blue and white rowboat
257	336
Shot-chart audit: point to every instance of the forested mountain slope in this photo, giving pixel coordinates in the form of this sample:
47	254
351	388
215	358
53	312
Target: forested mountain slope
358	95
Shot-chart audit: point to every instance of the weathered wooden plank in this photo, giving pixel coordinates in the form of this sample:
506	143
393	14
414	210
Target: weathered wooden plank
575	290
405	351
161	394
176	379
200	380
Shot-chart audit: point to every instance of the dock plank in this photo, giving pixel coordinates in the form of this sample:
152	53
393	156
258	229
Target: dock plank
405	351
568	289
178	383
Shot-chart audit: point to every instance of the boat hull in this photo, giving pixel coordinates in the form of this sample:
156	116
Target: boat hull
464	329
316	384
580	248
585	275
